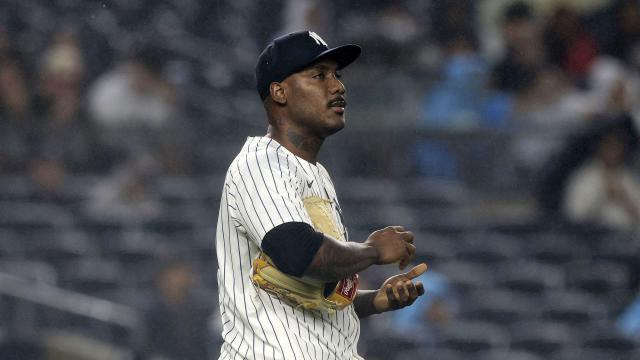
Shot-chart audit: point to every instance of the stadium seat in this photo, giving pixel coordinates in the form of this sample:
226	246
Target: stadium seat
131	248
170	224
600	278
31	216
386	346
473	337
35	271
60	247
16	188
489	248
606	338
541	338
512	355
76	189
442	354
102	230
178	190
618	248
599	354
573	308
529	277
11	245
499	307
92	276
554	249
421	192
432	247
466	276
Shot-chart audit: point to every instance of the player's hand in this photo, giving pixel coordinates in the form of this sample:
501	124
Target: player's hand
399	291
393	244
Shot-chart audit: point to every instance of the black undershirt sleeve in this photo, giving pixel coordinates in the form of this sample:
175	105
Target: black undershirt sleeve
292	246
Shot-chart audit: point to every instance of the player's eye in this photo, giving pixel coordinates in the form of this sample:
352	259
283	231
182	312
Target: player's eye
338	75
319	76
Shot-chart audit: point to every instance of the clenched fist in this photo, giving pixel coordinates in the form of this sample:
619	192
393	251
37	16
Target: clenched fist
393	244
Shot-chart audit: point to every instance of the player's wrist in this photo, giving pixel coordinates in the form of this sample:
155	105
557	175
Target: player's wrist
372	253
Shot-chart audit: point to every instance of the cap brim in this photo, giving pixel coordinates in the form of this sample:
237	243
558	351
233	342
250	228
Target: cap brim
343	55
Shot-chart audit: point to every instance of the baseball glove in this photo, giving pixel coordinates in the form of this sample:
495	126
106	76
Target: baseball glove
305	293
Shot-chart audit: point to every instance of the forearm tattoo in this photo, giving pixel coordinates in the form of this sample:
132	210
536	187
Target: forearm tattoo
336	260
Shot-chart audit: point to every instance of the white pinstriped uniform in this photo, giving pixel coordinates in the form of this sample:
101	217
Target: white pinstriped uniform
264	187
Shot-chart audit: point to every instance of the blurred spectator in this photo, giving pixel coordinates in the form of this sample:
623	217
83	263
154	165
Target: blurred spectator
546	106
571	45
607	104
626	42
430	313
14	93
456	103
398	31
15	110
613	87
176	323
128	192
451	17
389	30
304	14
517	71
134	93
63	141
136	110
605	190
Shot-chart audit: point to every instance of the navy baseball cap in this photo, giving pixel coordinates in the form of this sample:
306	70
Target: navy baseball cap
294	52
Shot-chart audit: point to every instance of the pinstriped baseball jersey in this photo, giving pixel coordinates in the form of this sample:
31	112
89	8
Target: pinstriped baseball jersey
264	187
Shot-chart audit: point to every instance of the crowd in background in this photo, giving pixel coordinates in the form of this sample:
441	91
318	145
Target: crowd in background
130	91
75	100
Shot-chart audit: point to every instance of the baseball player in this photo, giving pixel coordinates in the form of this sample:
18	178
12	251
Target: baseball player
288	283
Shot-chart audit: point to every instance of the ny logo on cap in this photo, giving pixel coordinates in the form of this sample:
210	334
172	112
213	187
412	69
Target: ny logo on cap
317	38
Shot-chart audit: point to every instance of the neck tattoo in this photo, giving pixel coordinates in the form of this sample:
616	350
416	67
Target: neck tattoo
303	143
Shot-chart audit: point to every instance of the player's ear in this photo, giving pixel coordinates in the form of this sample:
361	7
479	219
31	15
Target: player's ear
276	90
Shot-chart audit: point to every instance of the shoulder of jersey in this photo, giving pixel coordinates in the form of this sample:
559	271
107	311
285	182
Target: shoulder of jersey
261	154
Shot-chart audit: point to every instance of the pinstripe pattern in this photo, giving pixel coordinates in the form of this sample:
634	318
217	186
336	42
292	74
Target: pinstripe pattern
264	187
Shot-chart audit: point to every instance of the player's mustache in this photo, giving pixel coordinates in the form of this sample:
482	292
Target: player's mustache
337	101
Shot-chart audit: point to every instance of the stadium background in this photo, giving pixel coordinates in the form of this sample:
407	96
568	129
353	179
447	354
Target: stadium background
118	119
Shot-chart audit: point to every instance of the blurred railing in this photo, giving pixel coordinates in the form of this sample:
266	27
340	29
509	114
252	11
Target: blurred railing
27	307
